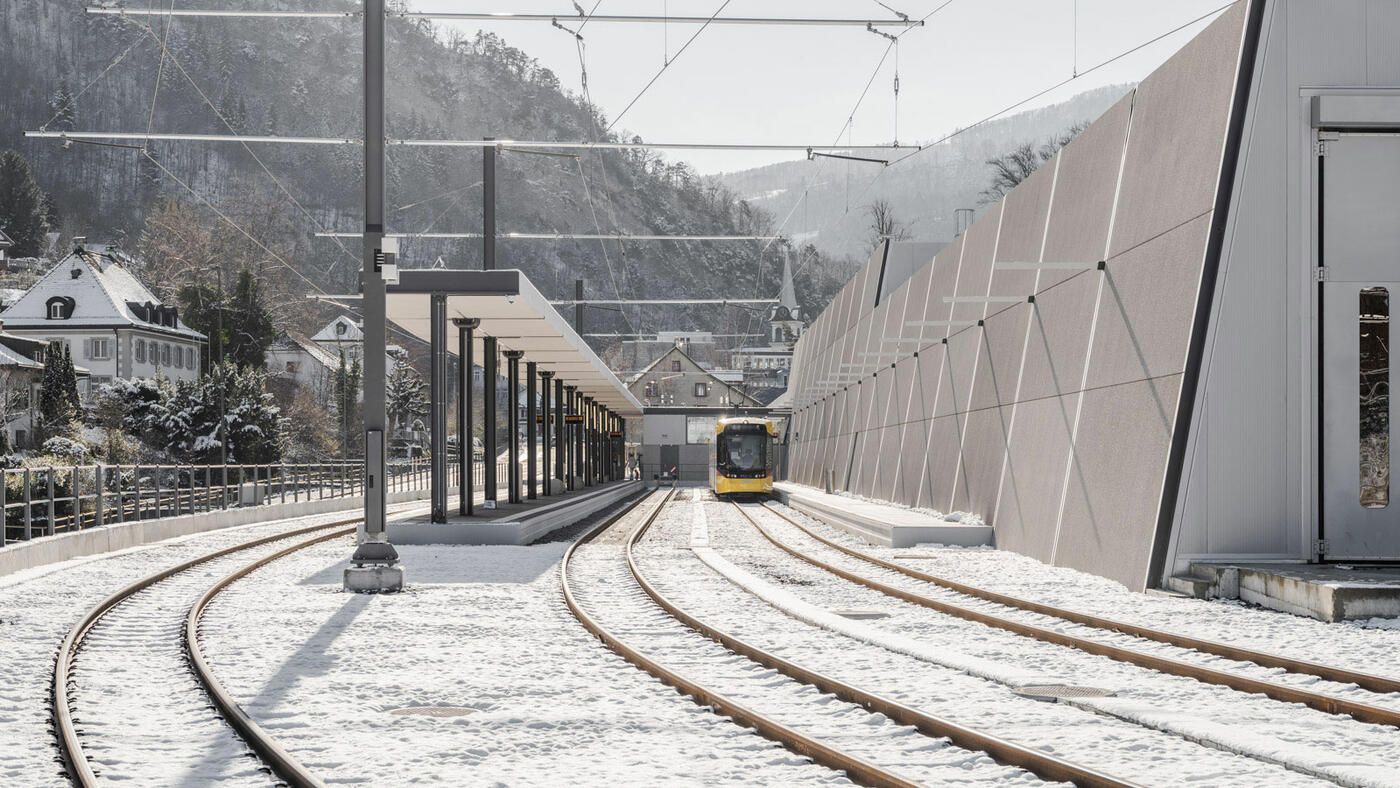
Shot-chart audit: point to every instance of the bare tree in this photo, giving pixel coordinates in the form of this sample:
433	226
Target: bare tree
884	224
1010	169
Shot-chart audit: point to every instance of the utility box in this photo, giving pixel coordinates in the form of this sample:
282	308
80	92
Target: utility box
252	493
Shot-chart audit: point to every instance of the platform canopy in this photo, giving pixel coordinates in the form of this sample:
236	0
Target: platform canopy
513	311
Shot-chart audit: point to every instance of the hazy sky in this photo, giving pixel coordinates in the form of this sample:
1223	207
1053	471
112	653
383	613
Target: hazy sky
761	84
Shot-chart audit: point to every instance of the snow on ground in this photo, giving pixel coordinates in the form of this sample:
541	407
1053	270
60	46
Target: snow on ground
1369	646
483	628
1118	747
1240	722
37	608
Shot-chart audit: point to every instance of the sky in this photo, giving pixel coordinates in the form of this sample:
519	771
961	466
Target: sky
800	84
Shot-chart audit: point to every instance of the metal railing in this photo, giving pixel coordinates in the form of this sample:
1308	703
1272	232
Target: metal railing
58	499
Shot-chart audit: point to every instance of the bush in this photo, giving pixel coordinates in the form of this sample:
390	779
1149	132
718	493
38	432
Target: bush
66	451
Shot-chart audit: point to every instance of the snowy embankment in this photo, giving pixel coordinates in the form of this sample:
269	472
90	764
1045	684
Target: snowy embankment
37	608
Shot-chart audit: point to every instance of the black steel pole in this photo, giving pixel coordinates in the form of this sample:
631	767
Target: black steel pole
465	327
545	435
561	447
578	308
488	417
437	405
513	423
488	208
590	414
531	482
571	455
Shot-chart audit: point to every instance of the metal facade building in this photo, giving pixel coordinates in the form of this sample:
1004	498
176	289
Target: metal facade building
1170	343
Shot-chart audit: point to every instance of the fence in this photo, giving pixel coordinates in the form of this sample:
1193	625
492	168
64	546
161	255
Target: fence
57	499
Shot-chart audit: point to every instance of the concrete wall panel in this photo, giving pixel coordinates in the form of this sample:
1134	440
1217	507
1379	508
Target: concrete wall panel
1149	297
1084	192
913	484
984	449
1172	166
1115	480
1023	232
1059	337
1003	340
1029	501
942	461
956	384
975	275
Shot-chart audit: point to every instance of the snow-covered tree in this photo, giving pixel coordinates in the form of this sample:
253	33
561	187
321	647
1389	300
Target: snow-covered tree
347	406
403	395
64	106
189	420
58	394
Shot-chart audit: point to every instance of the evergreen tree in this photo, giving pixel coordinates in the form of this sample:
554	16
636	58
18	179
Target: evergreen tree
63	105
56	409
347	405
22	213
403	395
70	381
248	324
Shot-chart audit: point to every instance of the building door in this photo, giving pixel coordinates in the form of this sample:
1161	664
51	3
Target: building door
1359	289
670	459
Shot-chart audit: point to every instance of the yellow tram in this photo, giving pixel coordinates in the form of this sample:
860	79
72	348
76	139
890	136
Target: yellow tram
741	456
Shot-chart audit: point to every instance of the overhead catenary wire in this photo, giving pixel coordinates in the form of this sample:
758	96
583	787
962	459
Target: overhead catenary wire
666	66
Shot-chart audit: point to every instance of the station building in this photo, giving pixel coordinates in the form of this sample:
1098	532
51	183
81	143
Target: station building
1171	343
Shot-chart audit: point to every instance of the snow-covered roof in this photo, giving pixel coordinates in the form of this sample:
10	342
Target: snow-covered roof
103	292
5	241
342	329
9	359
295	340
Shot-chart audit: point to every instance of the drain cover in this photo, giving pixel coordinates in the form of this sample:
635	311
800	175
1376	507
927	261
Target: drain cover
1055	692
861	614
433	711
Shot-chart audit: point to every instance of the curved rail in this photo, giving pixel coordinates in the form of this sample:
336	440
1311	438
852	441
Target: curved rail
282	763
70	747
1364	712
1003	751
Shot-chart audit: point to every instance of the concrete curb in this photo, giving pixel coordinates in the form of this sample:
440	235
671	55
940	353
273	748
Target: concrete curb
119	536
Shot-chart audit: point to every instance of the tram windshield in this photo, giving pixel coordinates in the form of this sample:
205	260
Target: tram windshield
742	449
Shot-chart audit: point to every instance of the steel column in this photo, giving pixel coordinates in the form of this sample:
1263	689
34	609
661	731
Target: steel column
590	456
561	445
571	451
531	469
513	423
465	328
373	547
437	405
489	414
545	438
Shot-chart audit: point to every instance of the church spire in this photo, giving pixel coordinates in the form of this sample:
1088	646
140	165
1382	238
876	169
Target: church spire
787	297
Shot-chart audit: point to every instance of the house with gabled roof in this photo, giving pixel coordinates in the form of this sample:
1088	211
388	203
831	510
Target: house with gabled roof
114	326
675	380
296	357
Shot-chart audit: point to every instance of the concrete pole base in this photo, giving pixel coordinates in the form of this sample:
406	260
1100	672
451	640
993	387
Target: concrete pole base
376	579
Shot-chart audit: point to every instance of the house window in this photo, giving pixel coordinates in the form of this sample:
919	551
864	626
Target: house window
101	349
165	355
179	358
293	367
702	390
60	308
676	365
652	388
189	358
140	351
98	381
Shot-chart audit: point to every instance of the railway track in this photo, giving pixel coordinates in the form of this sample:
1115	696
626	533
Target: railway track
1321	701
660	637
129	643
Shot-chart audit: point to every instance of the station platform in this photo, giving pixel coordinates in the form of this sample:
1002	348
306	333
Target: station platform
877	523
512	524
1327	592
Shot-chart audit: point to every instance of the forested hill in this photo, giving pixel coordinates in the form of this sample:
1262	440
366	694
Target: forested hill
65	69
923	192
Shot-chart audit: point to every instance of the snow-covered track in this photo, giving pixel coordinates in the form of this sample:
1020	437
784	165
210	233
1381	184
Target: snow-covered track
1364	712
860	770
64	700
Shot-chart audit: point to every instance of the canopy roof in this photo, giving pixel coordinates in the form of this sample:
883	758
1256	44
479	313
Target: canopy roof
513	311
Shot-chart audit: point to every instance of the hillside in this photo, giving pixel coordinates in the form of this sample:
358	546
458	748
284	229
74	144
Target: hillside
301	77
923	192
